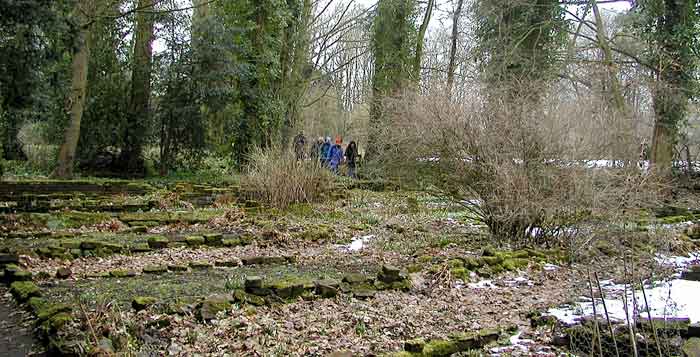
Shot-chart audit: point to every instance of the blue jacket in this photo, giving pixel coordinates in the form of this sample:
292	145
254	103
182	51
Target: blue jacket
336	155
326	151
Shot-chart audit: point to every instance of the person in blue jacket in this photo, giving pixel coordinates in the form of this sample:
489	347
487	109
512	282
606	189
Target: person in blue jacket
326	151
336	155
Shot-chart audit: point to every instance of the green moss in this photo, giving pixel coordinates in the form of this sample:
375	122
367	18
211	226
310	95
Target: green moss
36	304
195	241
200	265
23	290
47	311
56	322
438	348
158	242
473	263
515	264
460	273
154	269
119	273
233	242
143	302
492	260
414	268
455	263
245	298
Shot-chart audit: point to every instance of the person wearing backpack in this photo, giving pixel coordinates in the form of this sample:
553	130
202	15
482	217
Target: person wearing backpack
336	155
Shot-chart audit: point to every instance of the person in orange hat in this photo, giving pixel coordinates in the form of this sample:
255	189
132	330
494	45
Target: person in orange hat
336	156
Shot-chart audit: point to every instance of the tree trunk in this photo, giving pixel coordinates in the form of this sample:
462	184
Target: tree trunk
79	69
131	156
453	48
608	62
420	39
674	76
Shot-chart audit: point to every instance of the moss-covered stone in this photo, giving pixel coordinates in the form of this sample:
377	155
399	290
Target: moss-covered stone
245	298
71	244
57	321
231	242
200	265
23	290
36	303
155	269
140	248
355	278
158	242
195	241
46	311
90	245
143	302
212	305
438	348
214	239
22	275
414	346
264	260
227	263
176	267
327	288
121	273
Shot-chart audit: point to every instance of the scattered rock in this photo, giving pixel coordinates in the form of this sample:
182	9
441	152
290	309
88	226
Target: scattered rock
154	269
23	290
245	298
364	294
213	305
194	241
7	258
119	273
264	260
104	348
158	242
141	248
355	278
253	282
214	239
691	348
227	263
200	265
327	288
63	273
143	302
415	345
175	267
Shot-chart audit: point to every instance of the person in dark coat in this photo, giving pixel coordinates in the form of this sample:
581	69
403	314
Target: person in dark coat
299	144
326	151
315	153
351	158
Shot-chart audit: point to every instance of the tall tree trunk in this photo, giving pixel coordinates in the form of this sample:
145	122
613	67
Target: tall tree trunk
79	67
139	114
615	87
421	39
674	76
453	47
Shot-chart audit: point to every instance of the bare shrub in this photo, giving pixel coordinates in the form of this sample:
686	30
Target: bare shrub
516	164
276	178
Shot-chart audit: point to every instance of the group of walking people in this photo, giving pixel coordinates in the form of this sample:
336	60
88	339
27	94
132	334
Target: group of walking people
328	154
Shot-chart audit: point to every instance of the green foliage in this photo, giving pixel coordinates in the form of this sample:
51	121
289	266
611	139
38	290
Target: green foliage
518	40
393	44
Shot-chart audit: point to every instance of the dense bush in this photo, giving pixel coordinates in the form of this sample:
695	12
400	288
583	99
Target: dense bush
521	168
276	178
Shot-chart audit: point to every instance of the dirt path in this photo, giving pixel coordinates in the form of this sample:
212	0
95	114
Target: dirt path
15	338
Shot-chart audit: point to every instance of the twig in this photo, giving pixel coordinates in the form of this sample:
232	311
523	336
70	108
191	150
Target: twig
596	329
651	322
607	316
633	341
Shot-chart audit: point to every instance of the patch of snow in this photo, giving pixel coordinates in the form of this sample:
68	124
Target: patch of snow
484	284
358	243
675	298
550	267
519	281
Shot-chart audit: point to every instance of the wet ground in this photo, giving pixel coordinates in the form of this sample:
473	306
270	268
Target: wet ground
15	337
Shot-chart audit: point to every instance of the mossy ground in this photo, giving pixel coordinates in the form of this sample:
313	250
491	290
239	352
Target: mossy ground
425	236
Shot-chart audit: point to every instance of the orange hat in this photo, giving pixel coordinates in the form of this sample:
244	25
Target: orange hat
338	139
